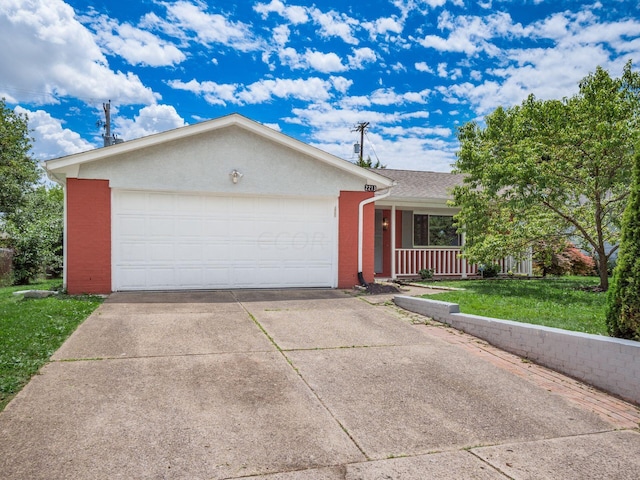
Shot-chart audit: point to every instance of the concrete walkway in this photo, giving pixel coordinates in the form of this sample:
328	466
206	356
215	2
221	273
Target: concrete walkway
301	384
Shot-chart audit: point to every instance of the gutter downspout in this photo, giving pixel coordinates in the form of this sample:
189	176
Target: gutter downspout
361	230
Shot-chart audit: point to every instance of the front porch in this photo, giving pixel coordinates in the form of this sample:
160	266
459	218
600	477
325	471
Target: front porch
397	256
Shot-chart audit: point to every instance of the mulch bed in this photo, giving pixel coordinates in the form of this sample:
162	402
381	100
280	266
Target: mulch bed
378	288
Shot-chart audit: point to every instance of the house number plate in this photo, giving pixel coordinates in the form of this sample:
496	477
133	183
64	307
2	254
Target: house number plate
370	188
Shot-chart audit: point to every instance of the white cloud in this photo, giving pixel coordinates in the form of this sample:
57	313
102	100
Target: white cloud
208	28
51	139
281	34
295	14
423	67
312	59
51	54
417	131
214	93
311	89
341	84
149	120
574	44
383	26
273	126
324	62
471	34
388	96
334	24
136	46
361	57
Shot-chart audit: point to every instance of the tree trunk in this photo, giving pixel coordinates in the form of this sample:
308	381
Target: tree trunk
603	269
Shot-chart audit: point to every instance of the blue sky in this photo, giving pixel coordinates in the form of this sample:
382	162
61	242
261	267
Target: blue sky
414	69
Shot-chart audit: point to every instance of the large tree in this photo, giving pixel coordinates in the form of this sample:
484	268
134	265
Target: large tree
18	170
551	169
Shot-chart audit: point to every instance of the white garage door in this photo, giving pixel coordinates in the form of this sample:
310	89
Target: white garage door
166	241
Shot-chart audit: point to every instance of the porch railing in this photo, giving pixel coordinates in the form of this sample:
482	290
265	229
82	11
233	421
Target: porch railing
447	262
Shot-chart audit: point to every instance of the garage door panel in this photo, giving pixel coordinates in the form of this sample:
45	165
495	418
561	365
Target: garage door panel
160	252
188	252
133	225
130	202
191	226
212	253
132	252
158	226
158	203
161	278
190	277
174	241
189	203
131	277
216	277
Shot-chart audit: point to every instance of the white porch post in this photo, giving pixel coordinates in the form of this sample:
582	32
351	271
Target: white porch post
464	260
393	242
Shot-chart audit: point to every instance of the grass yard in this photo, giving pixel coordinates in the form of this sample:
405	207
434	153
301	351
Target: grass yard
554	302
31	330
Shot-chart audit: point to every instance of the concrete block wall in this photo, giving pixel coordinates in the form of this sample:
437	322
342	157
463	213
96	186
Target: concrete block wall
610	364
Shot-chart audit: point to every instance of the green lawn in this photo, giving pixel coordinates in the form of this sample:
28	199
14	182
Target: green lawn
554	302
31	330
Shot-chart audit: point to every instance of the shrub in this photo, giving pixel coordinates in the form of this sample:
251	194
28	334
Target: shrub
426	274
6	267
559	257
35	232
490	270
623	299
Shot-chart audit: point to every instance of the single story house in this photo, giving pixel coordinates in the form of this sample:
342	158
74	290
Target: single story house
231	203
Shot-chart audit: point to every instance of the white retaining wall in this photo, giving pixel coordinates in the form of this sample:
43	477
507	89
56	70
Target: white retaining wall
611	364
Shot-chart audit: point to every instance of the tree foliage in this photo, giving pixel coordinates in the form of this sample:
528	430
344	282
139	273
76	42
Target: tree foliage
623	299
561	258
18	171
31	217
368	163
35	233
548	170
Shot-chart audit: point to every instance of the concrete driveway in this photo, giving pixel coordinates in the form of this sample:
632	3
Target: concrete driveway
301	384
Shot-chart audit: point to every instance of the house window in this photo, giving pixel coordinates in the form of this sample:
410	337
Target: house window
434	231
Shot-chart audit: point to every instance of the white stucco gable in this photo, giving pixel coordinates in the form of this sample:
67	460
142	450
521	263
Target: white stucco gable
200	157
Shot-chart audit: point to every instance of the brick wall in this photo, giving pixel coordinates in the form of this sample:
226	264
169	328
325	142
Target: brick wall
88	236
610	364
348	239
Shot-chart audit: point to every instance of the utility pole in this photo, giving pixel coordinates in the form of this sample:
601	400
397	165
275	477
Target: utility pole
362	128
108	139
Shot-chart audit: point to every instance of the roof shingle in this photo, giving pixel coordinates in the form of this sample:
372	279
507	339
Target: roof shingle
417	184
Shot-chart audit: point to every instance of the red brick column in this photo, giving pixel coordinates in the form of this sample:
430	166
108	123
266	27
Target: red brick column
348	239
88	236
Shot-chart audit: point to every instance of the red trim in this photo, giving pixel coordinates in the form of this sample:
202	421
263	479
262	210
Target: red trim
88	236
348	204
386	242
